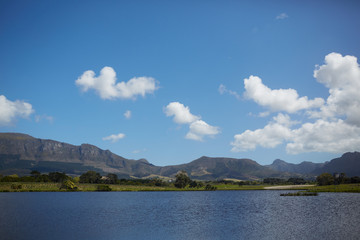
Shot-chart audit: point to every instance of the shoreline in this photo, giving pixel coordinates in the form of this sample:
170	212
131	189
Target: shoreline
81	187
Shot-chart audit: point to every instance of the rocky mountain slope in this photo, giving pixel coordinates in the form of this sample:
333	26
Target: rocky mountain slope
21	153
49	155
301	168
348	163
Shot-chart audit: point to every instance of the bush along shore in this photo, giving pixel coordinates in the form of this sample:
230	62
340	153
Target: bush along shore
299	194
93	181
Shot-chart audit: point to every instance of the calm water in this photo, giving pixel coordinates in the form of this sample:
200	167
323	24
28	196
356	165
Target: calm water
179	215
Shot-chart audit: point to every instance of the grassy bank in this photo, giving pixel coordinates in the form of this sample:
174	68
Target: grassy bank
55	187
354	188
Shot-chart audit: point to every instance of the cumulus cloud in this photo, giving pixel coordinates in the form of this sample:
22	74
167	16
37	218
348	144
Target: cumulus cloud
342	76
281	16
127	114
325	136
287	100
198	129
114	137
321	136
270	136
181	113
222	90
10	111
333	126
105	85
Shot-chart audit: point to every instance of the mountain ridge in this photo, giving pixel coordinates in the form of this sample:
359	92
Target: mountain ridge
21	153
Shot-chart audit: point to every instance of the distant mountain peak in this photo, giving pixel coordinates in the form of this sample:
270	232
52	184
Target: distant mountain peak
276	161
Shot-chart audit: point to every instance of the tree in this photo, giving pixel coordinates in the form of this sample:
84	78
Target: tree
112	178
90	177
325	179
182	179
274	181
296	181
339	178
35	173
58	177
193	184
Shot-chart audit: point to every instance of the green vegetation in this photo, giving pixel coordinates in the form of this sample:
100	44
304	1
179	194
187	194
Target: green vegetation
182	180
353	188
280	181
90	177
209	187
93	181
103	188
68	185
300	194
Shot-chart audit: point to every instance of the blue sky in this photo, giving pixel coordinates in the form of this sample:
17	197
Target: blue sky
171	81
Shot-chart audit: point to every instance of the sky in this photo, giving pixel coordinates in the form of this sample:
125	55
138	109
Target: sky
171	81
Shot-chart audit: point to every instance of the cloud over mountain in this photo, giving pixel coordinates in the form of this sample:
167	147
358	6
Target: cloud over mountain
11	110
114	137
332	126
105	85
198	129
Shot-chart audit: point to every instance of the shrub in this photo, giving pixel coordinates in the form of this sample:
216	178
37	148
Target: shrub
103	188
68	185
16	186
208	187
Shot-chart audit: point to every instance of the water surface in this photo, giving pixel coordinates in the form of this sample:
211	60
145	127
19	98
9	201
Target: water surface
178	215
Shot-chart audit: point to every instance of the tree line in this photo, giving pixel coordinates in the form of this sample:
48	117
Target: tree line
335	179
182	180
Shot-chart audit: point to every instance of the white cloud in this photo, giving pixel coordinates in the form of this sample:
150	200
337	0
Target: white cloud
114	137
181	113
342	76
222	90
10	110
336	128
324	136
198	129
127	114
321	136
287	100
281	16
105	85
270	136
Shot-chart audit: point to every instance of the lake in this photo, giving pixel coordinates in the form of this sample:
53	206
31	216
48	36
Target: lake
178	215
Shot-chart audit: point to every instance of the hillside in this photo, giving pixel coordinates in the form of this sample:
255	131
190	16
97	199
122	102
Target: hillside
208	168
21	153
348	163
301	168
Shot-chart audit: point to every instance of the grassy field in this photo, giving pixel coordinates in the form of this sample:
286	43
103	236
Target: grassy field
355	188
55	187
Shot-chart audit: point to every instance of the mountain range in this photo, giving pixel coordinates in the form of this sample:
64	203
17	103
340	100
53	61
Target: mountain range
21	153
